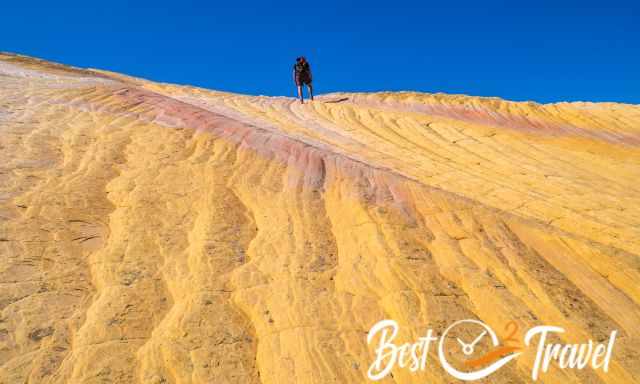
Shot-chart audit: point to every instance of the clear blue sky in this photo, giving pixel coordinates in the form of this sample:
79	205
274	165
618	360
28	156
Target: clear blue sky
541	50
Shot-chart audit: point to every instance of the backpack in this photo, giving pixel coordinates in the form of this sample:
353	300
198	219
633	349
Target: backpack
302	68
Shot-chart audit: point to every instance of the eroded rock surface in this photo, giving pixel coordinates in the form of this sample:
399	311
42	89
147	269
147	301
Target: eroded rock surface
154	233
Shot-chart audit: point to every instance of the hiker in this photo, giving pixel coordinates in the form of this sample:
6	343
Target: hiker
301	76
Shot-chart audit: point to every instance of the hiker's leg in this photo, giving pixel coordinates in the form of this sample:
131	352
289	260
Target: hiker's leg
310	87
300	96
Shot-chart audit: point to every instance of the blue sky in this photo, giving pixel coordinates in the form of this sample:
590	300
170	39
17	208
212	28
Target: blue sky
544	51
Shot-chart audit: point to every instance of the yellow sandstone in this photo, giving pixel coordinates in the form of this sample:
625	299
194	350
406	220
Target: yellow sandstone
156	233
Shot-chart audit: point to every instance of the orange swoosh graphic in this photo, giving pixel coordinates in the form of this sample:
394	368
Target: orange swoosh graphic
490	357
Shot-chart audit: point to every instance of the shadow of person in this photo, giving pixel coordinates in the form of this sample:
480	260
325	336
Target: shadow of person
337	100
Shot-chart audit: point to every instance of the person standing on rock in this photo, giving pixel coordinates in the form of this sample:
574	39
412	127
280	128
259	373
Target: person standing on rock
301	76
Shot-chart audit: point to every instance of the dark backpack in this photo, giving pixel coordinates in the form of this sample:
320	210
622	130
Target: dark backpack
302	68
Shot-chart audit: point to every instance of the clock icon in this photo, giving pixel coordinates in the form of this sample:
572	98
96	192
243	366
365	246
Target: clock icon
468	349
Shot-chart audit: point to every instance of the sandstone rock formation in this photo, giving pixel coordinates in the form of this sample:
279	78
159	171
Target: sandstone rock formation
156	233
